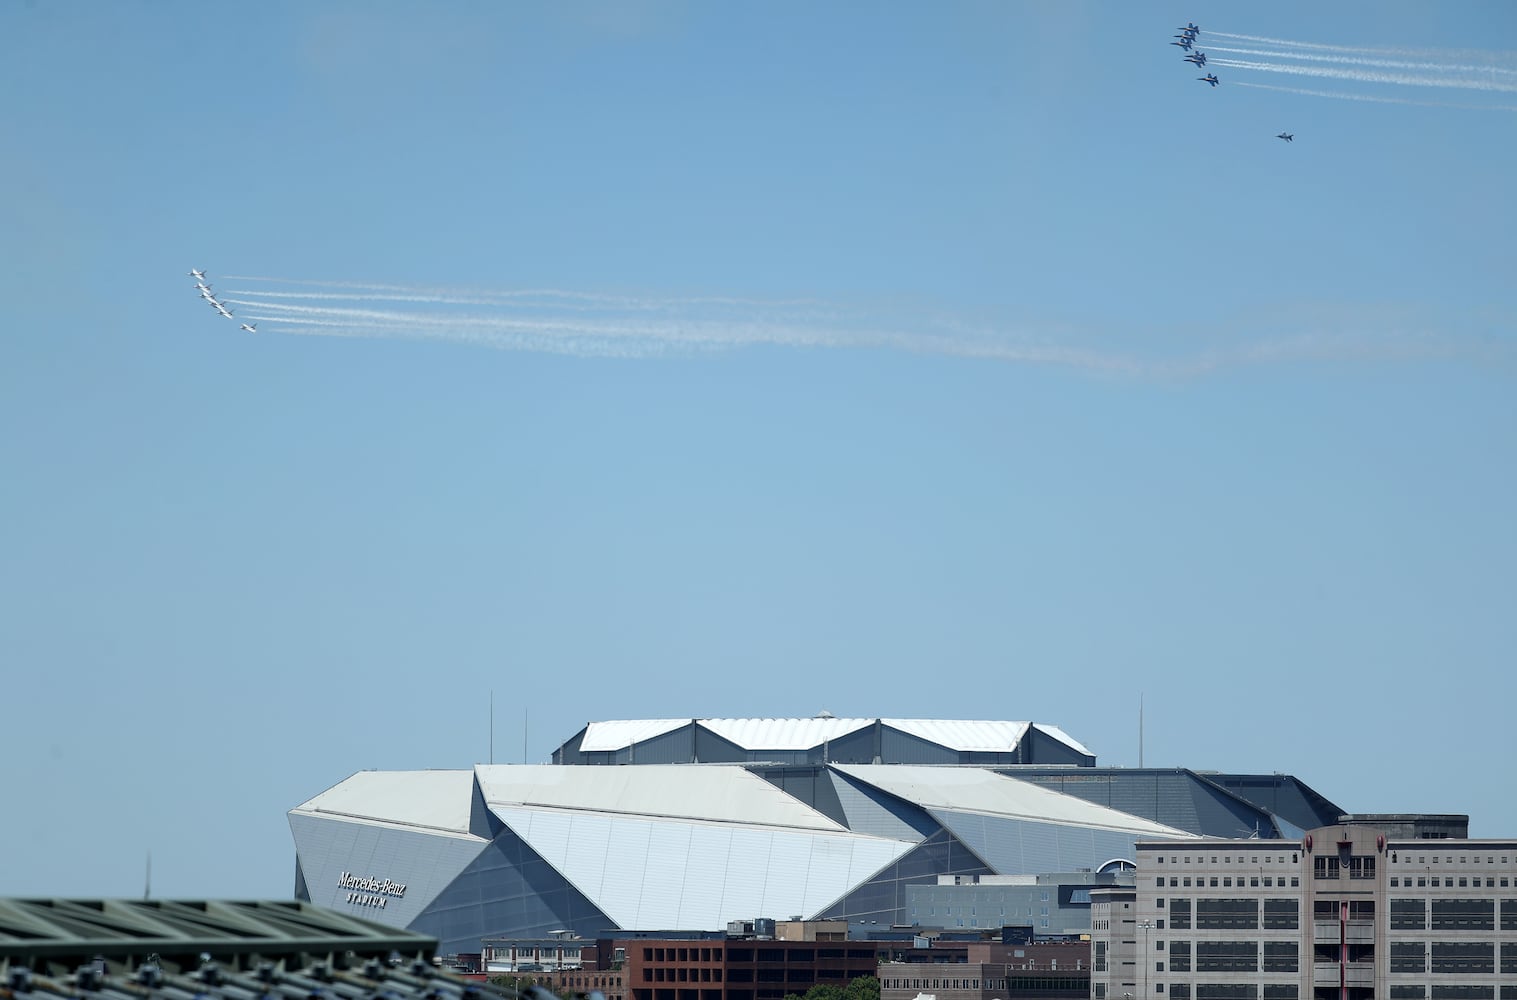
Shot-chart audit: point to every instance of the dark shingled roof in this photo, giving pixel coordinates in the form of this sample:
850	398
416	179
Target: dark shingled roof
109	949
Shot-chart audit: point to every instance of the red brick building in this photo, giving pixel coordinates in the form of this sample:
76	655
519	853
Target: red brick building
741	968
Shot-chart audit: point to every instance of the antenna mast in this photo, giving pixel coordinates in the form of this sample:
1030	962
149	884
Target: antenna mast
1140	728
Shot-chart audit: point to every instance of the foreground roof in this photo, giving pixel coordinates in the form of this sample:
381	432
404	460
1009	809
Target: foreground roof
132	931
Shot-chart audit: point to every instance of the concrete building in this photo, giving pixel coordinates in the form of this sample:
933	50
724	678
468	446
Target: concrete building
1347	912
1049	904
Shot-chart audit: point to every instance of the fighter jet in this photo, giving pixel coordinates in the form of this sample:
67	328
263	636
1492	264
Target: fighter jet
1184	42
1287	136
223	310
197	275
250	327
205	293
1210	78
1199	58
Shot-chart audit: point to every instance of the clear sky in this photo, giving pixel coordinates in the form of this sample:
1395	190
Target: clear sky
643	360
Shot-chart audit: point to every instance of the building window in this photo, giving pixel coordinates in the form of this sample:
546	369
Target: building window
1409	957
1464	914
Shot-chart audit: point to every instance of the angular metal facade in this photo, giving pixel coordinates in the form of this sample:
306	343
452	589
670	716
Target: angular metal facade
531	849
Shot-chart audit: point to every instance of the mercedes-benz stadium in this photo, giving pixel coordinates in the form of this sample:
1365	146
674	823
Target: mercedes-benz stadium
711	821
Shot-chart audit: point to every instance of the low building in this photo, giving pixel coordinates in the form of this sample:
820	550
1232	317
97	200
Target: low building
985	970
1347	912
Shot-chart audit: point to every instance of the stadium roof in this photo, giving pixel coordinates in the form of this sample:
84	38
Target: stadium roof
710	793
985	792
802	734
430	800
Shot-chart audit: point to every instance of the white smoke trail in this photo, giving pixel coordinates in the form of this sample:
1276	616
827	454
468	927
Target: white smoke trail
624	338
1488	56
1369	98
1367	76
445	294
1348	60
504	323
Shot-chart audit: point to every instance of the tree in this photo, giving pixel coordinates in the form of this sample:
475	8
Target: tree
862	988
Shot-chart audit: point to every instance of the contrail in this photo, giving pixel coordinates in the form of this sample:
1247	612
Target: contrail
1342	96
1367	76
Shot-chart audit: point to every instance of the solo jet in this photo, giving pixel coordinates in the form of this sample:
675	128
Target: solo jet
1210	78
1287	136
250	327
197	275
1199	58
1184	42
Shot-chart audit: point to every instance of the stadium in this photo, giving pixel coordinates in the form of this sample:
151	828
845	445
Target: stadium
707	821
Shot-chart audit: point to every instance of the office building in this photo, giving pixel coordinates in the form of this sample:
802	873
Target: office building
1389	907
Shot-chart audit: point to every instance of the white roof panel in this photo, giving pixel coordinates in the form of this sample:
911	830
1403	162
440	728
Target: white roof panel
714	793
983	736
980	790
706	875
979	736
1063	737
434	800
783	734
611	736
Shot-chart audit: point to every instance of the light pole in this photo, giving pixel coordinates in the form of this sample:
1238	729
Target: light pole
1143	958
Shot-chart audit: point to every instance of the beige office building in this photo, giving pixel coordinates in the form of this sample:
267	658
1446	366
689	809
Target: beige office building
1375	908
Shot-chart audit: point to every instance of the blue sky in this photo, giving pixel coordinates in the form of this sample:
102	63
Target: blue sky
955	361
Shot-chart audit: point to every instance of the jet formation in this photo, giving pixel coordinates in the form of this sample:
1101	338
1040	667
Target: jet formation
204	288
1186	39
